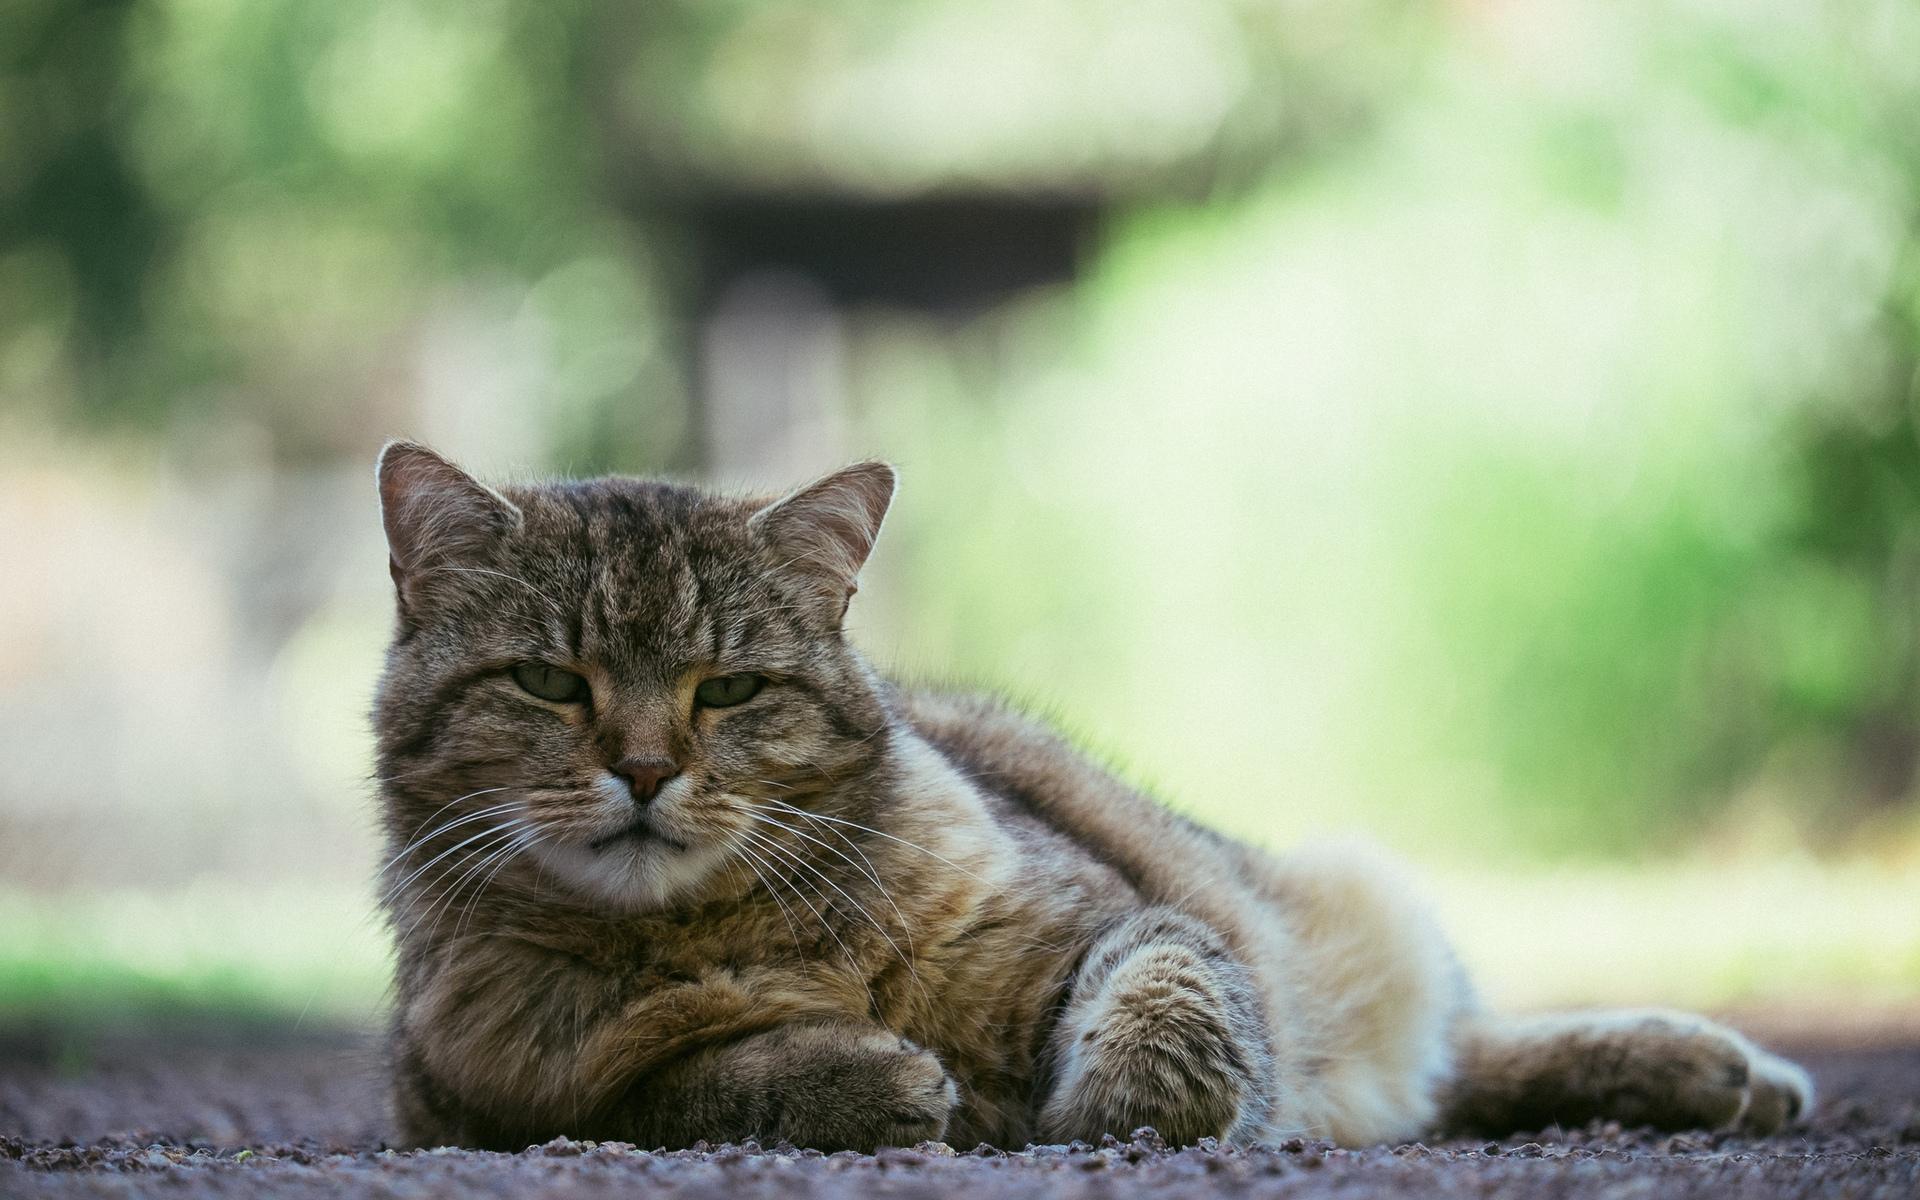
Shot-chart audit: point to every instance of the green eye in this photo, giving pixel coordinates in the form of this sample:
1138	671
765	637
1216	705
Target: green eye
724	691
551	683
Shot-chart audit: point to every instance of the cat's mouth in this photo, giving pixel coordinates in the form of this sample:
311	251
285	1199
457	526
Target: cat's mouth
639	831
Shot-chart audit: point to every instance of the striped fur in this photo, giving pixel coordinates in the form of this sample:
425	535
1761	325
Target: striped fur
853	915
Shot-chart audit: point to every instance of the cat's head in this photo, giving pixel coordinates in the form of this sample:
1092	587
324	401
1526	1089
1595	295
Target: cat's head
615	680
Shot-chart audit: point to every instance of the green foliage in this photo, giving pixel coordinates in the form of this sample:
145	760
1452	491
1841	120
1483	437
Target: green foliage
230	213
1537	478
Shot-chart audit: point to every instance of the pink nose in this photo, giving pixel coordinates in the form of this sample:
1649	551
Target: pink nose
645	775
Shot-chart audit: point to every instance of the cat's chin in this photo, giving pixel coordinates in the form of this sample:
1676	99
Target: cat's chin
630	874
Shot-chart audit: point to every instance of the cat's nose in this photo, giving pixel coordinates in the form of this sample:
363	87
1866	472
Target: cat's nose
645	775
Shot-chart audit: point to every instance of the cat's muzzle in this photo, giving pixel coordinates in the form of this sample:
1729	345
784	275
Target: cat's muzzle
640	830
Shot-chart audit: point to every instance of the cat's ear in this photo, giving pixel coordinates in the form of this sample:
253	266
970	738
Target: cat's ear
435	514
825	531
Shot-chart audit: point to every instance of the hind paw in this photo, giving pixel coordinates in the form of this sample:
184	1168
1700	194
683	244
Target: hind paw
1678	1071
1778	1093
1653	1067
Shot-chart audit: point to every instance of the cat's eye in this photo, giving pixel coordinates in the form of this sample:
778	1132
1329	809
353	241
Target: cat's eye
724	691
551	683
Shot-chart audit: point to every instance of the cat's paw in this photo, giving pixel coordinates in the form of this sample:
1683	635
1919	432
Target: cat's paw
1670	1070
1677	1071
1681	1074
1779	1093
864	1091
914	1098
1157	1032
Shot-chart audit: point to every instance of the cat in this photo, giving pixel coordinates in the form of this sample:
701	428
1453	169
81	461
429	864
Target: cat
671	863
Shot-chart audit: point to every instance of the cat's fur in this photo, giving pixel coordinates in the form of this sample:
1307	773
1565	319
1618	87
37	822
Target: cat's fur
853	915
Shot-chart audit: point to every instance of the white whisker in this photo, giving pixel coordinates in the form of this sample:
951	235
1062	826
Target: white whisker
523	842
768	845
877	833
772	891
444	903
421	870
800	862
418	842
870	874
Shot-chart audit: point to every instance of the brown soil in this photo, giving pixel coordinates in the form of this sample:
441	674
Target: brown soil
220	1108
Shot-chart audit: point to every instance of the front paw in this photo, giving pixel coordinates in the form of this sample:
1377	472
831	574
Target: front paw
863	1091
1157	1043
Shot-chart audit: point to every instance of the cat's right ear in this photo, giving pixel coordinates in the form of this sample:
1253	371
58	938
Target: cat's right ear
435	514
825	531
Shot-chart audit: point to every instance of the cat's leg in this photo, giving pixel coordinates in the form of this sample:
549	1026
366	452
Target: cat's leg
827	1086
1162	1027
1653	1067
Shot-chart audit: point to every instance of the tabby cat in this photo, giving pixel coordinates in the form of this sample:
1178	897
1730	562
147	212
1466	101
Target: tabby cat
670	863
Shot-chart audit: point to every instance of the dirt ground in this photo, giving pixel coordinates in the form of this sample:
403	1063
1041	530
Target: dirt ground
212	1108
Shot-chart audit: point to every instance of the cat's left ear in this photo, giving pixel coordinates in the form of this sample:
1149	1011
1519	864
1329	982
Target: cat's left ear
825	530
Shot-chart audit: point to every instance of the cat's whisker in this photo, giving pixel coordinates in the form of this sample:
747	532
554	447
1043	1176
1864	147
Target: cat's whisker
858	907
841	834
805	872
800	861
426	892
906	928
756	813
421	840
429	835
732	868
775	857
768	845
785	914
880	833
400	886
466	861
526	841
871	875
428	819
445	901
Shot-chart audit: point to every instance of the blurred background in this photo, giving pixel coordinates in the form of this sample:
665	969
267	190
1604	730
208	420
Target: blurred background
1485	426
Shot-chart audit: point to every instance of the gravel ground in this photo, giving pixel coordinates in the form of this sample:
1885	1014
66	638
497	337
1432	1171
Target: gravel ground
221	1110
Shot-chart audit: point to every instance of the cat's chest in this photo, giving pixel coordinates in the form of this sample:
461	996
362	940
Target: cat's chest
661	951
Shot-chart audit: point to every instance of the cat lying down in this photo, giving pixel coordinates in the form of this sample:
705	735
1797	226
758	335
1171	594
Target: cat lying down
670	862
